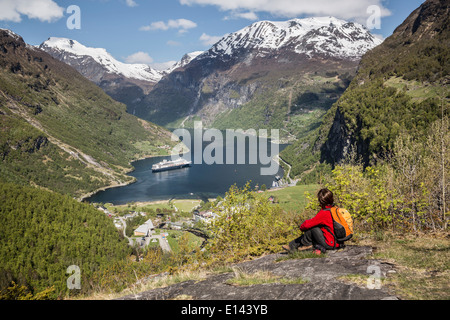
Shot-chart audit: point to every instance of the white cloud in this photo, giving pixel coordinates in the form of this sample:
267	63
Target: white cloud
131	3
242	15
160	25
43	10
344	9
208	40
139	57
183	25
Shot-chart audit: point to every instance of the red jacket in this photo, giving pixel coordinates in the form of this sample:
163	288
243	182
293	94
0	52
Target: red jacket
322	218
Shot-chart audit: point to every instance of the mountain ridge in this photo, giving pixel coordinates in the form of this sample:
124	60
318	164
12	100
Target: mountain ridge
424	36
72	49
184	61
301	35
401	86
59	130
124	82
283	58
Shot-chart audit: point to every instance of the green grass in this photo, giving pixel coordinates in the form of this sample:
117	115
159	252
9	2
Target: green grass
154	243
140	207
148	147
186	205
293	198
290	199
243	278
307	254
421	263
418	91
303	123
46	166
176	236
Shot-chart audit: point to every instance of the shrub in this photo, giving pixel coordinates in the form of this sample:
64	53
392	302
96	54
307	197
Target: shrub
407	191
247	224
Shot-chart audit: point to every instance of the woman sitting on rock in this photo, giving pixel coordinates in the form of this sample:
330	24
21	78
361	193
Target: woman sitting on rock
317	231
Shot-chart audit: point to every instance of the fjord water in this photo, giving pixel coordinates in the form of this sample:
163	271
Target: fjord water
200	181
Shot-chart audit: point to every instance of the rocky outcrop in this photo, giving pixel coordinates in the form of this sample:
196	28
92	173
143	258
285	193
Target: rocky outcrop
427	21
338	142
367	114
323	280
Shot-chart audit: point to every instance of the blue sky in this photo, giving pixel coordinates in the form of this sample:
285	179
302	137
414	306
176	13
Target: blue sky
158	31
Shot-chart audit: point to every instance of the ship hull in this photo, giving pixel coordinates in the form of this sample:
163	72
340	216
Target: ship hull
172	167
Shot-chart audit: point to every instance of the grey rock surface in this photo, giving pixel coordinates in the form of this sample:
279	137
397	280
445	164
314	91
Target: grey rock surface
321	276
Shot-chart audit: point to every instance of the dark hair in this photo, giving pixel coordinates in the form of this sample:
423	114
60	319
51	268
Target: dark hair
325	198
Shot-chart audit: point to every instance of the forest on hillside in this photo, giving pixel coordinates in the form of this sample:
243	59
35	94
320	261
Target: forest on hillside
43	233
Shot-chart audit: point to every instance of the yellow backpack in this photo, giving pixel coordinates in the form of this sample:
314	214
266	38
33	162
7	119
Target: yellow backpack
342	223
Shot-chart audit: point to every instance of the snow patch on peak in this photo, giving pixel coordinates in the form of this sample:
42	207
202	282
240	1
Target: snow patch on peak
11	34
101	56
323	35
185	60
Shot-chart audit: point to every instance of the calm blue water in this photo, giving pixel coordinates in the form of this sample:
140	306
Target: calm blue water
200	181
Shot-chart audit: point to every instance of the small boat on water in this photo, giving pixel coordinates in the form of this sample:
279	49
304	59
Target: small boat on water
171	165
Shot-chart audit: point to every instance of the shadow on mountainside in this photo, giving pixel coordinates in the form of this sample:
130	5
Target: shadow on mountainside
323	278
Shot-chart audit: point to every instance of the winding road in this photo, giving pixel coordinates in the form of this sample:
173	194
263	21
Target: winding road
124	223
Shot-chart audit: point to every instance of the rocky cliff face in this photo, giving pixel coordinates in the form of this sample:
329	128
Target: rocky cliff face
426	22
369	114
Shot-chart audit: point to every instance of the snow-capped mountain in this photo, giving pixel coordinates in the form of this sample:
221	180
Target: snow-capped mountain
263	57
67	49
230	73
328	36
124	82
185	60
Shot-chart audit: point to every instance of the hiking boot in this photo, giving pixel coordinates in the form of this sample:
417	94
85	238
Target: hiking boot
293	250
287	248
318	247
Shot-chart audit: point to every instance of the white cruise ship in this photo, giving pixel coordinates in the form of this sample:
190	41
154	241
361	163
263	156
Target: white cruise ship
171	165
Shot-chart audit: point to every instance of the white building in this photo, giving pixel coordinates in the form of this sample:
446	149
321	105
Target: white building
204	216
145	229
118	224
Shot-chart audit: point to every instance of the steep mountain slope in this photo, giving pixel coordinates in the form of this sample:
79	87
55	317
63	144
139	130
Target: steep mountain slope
267	65
403	84
122	81
44	233
59	130
409	72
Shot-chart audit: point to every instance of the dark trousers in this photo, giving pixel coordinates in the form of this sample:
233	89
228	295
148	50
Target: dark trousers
313	236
